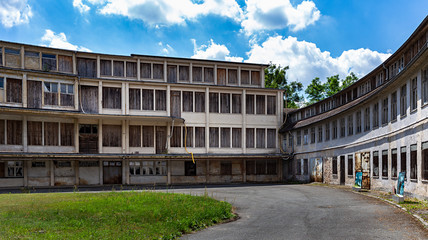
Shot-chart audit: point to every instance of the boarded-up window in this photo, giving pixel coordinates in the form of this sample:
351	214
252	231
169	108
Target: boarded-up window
51	93
14	90
112	98
425	160
214	102
146	70
199	102
176	137
172	74
271	138
271	105
187	101
334	165
148	136
131	69
34	94
34	133
249	104
249	132
376	164
12	57
413	162
260	136
225	137
236	137
135	136
226	168
67	94
245	77
260	167
89	100
135	98
112	135
118	68
255	78
184	73
175	103
32	60
350	165
160	100
214	137
48	62
67	134
271	167
260	104
197	74
225	102
65	63
250	167
221	76
87	67
236	103
51	134
157	71
105	67
233	76
147	99
2	131
208	75
199	137
188	139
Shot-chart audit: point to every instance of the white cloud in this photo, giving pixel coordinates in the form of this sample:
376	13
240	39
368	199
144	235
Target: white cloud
80	6
166	48
60	41
307	61
213	51
14	12
165	12
278	14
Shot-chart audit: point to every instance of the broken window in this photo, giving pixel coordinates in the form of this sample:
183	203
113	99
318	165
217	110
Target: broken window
260	137
31	60
199	137
226	168
245	77
112	135
12	57
376	164
376	115
199	102
137	168
118	68
15	169
232	76
172	73
90	94
385	163
350	165
413	162
403	159
225	102
65	64
67	134
188	136
414	94
271	138
221	76
271	105
147	99
160	100
425	160
176	137
189	168
131	69
48	62
255	78
146	70
51	134
183	73
197	74
157	71
334	165
134	136
214	137
112	98
87	67
394	163
51	93
249	104
305	137
249	132
208	74
14	90
105	67
236	103
67	95
225	137
385	111
34	133
214	103
187	101
260	104
403	100
148	136
394	106
134	98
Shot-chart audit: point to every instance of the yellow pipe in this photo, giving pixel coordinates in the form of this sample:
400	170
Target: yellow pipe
185	141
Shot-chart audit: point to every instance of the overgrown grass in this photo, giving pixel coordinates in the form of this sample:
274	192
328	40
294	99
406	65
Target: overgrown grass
113	215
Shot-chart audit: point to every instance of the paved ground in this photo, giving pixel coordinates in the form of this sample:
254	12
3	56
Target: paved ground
306	212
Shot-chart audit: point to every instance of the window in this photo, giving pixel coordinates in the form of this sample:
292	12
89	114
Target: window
299	167
105	67
148	136
171	73
403	159
327	131
199	102
367	119
197	74
358	122
118	68
376	115
225	137
134	136
425	86
34	133
48	62
403	100
250	137
131	69
51	93
305	136
14	90
176	137
1	82
199	137
376	164
290	139
157	71
260	138
112	136
249	104
413	162
67	134
260	104
67	94
385	163
147	99
51	134
137	168
225	102
305	167
38	164
255	78
188	136
385	111
208	74
299	137
88	164
237	137
146	70
232	76
183	73
214	103
160	100
350	125
236	103
394	163
342	127
189	168
187	101
271	105
334	129
14	132
12	57
214	137
271	138
245	77
31	60
425	160
334	165
226	168
112	98
414	94
134	99
350	165
394	106
63	164
312	134
320	134
15	169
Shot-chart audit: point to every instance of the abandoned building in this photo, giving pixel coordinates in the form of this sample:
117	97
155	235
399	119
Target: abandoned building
377	126
77	118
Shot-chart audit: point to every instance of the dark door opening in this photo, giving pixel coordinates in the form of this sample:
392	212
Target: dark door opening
189	168
112	172
88	138
160	140
342	170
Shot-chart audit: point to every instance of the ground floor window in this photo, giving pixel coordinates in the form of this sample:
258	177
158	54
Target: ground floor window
376	164
350	165
226	168
13	169
147	168
88	163
394	163
334	165
385	163
425	160
38	164
299	167
262	167
413	162
305	167
403	160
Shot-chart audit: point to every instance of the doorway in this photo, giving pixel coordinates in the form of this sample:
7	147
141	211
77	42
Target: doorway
112	172
160	140
342	170
88	138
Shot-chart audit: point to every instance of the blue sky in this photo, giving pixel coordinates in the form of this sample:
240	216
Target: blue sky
314	38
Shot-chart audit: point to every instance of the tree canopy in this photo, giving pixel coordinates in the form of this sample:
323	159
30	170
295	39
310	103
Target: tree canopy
315	91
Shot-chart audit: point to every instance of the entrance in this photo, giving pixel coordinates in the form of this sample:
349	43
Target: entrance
88	138
316	169
342	170
112	172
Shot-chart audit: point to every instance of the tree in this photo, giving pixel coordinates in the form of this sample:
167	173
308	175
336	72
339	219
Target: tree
315	91
275	77
349	80
332	85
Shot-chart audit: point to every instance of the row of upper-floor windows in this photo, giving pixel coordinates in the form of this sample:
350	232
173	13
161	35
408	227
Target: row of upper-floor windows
370	117
169	72
49	93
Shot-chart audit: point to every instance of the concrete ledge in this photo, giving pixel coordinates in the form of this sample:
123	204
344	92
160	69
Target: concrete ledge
398	198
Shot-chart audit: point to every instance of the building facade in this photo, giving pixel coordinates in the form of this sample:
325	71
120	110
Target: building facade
77	118
377	126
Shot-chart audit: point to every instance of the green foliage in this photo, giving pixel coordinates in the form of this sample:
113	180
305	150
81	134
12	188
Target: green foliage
315	91
114	215
275	77
349	80
332	85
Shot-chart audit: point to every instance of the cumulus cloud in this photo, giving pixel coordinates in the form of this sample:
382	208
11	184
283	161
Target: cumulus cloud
166	48
307	61
278	14
60	41
14	12
213	51
80	6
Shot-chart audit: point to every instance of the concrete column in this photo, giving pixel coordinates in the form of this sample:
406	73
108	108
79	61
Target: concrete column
215	74
24	134
99	67
168	100
27	165
100	97
191	73
52	172
138	70
208	171
24	90
244	121
74	63
126	166
100	136
125	146
169	172
207	119
22	57
239	76
101	171
165	71
262	77
244	170
124	172
124	106
76	135
76	94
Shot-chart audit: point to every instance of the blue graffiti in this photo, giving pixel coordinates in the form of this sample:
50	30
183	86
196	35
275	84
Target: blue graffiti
358	179
400	183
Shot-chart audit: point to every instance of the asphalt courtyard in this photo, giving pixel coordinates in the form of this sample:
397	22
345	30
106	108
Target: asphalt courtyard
306	212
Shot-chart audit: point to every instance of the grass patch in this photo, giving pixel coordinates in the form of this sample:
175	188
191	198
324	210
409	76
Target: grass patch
112	215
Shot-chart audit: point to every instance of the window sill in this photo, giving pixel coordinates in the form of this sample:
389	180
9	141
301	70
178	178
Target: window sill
375	177
424	105
394	121
425	181
350	176
335	176
385	178
413	180
403	116
413	111
394	178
